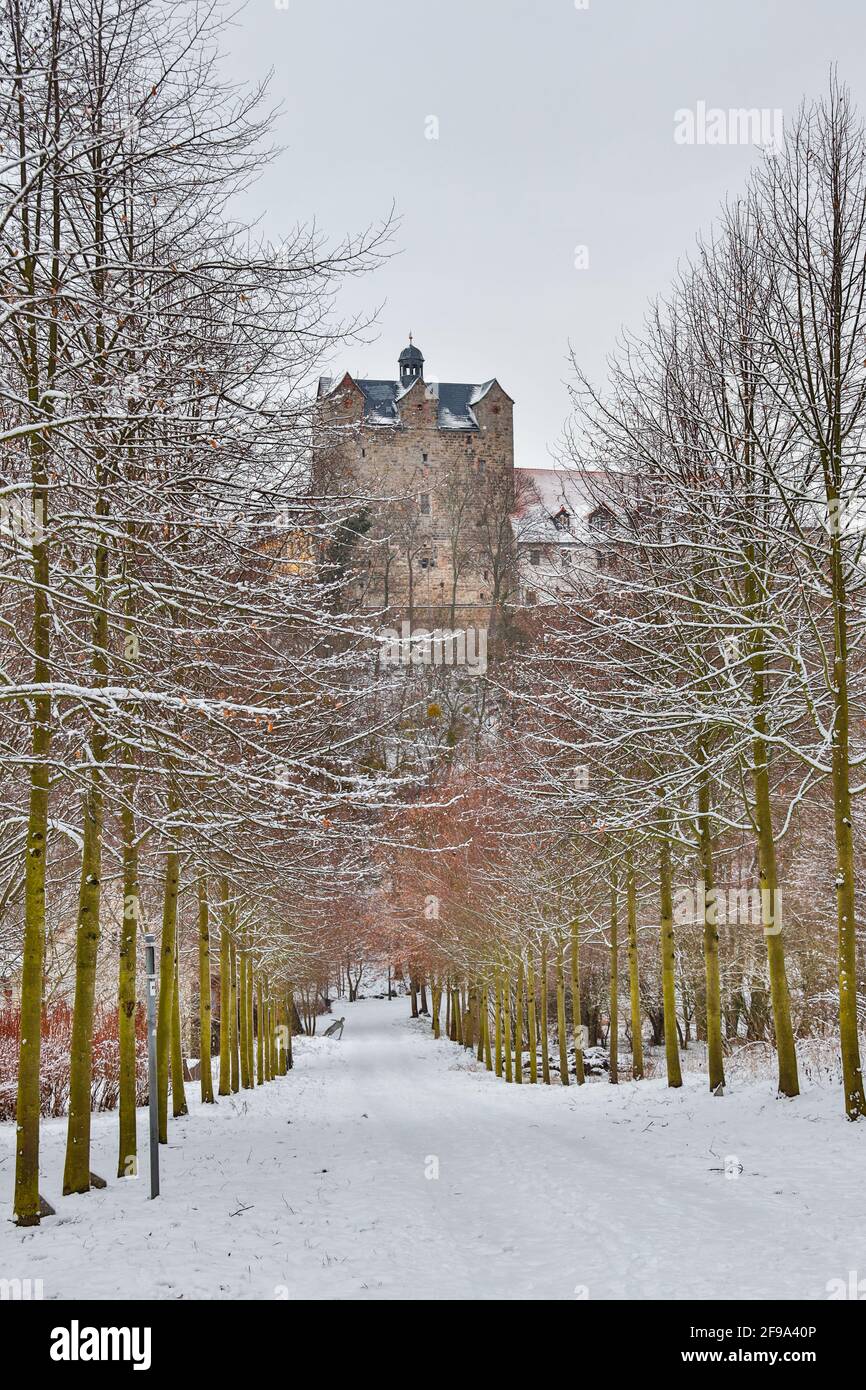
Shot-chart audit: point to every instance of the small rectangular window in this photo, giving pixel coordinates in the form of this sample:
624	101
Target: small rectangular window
535	557
425	504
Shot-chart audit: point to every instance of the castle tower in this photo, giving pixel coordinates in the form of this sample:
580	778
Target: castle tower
437	463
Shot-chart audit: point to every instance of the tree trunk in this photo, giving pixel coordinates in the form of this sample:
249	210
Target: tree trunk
260	1044
178	1091
251	1049
28	1108
545	1046
166	986
290	1060
789	1084
613	1031
669	994
233	1014
270	1070
204	995
225	991
485	1028
634	973
243	1000
577	1035
532	1022
712	985
561	1025
518	1025
76	1172
846	920
127	1155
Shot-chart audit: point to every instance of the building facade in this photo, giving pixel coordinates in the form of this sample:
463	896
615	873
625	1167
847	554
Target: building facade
561	533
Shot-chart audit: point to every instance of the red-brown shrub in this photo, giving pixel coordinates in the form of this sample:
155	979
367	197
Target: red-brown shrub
56	1037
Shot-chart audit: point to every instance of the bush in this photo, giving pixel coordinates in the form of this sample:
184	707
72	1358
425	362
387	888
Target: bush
56	1038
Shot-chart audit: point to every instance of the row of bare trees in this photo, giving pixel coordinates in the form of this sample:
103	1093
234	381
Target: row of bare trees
679	742
182	711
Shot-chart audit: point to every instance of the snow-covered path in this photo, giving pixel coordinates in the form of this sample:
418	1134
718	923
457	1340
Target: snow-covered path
322	1185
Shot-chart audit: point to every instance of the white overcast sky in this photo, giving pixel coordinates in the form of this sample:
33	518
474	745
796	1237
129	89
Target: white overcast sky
555	130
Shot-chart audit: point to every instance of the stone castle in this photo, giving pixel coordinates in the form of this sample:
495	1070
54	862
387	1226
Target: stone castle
432	467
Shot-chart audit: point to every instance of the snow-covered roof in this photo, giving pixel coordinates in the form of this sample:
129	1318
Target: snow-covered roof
572	495
575	489
382	400
535	526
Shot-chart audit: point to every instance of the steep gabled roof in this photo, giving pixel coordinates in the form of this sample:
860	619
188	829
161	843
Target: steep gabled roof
382	400
553	488
555	491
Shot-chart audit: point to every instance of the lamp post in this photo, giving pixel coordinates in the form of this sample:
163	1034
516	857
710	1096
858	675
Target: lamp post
153	1097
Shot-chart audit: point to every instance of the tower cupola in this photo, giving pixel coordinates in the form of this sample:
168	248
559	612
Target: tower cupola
411	361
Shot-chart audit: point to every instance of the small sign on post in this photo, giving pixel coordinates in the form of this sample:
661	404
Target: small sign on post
153	1096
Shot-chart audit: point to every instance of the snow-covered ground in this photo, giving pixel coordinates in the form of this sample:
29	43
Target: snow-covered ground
387	1165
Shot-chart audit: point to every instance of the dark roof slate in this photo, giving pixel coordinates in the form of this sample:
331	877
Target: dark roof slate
382	400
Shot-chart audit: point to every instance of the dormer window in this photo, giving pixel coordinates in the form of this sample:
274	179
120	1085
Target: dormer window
562	520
